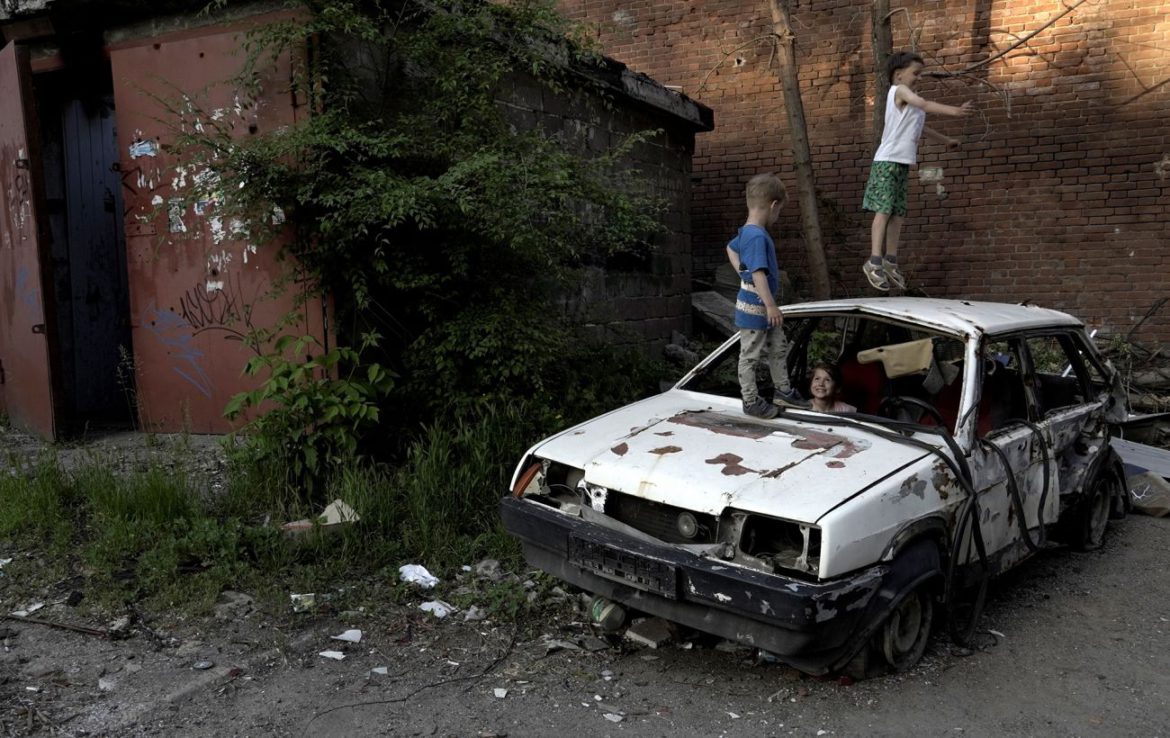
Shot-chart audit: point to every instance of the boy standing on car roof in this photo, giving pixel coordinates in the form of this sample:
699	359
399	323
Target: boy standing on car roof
885	192
761	333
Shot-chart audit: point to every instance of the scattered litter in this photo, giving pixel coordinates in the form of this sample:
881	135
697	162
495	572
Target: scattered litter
652	632
106	684
594	644
500	693
380	670
334	516
552	645
474	613
417	574
997	634
607	675
120	625
32	689
28	610
5	562
613	718
352	635
203	665
438	608
488	569
335	655
465	567
733	716
303	602
822	732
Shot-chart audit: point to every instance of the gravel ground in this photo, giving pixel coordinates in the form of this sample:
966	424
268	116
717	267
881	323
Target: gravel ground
1080	648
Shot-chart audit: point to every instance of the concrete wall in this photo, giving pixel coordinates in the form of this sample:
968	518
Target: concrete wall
1058	194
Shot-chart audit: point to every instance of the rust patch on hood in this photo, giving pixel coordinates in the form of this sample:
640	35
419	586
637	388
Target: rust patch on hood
724	424
943	480
621	449
805	439
666	450
731	464
835	464
665	433
810	440
913	486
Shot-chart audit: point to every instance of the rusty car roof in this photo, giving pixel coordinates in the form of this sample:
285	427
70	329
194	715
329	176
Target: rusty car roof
952	316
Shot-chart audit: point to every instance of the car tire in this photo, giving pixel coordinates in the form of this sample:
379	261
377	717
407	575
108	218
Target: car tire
1092	520
904	635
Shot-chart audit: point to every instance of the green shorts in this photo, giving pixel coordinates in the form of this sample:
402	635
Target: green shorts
885	192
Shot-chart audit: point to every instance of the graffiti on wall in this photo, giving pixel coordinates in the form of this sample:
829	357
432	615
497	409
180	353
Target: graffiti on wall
200	310
27	290
176	335
218	306
14	174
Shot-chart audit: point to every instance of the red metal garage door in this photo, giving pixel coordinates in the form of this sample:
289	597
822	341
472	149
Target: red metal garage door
196	288
25	378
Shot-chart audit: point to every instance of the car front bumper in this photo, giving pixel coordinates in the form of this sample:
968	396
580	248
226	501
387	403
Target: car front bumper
814	626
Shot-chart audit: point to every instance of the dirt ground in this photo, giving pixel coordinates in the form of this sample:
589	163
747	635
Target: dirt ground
1073	645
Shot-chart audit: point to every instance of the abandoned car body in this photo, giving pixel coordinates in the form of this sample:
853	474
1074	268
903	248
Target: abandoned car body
829	540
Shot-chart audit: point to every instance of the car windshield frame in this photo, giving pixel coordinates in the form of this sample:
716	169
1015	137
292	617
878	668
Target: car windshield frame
963	428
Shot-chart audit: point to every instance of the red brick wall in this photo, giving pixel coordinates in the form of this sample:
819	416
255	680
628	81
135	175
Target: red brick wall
1058	194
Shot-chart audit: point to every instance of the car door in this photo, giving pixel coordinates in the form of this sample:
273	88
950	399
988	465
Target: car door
1067	405
1006	444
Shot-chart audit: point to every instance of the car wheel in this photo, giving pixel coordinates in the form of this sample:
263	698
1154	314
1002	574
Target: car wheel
905	633
1097	508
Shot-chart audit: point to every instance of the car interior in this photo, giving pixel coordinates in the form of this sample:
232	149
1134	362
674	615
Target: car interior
891	370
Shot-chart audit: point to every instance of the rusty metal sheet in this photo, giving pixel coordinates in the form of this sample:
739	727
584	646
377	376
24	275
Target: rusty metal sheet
197	285
26	387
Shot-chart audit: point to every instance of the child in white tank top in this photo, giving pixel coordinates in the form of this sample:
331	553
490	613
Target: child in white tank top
885	192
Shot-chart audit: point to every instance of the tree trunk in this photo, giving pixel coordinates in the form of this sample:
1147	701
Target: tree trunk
801	155
883	47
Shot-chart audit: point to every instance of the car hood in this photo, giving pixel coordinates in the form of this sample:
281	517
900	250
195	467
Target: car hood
702	453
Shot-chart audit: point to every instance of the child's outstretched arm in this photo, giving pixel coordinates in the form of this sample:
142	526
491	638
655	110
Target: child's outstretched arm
950	143
908	96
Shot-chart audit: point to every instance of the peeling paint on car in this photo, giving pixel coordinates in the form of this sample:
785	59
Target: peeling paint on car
913	486
666	450
731	464
621	449
835	464
724	424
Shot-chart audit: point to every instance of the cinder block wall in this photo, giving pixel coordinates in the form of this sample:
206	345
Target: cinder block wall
1058	194
627	301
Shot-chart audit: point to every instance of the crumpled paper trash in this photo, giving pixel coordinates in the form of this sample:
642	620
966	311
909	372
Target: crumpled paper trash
417	574
438	608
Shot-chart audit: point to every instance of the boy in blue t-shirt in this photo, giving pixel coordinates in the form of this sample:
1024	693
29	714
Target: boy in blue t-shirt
761	333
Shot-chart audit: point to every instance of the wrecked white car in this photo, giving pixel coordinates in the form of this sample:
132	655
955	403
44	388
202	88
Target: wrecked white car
833	541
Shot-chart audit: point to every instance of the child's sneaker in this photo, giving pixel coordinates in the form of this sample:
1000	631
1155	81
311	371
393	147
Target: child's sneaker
791	398
893	274
760	408
876	275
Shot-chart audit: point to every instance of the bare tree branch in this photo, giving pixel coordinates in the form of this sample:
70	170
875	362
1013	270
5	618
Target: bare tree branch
741	47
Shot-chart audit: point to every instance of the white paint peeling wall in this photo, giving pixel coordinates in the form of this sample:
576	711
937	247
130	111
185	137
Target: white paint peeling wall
14	8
